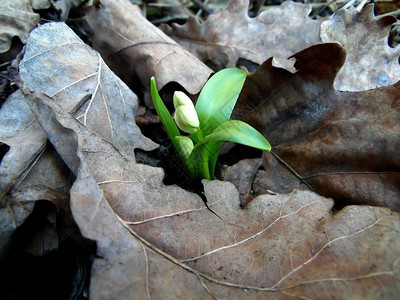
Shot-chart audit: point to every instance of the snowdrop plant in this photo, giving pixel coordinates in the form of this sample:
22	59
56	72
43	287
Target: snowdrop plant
207	123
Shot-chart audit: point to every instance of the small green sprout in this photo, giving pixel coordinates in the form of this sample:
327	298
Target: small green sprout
208	122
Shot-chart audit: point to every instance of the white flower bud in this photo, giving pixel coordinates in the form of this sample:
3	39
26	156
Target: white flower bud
185	115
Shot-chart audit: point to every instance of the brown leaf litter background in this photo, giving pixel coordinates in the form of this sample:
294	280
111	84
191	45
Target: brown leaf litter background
155	240
135	49
365	38
221	42
18	19
342	144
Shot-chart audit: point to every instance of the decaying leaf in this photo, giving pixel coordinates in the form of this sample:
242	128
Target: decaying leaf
242	175
86	86
386	6
231	34
275	177
20	130
29	171
343	144
11	217
370	61
47	238
41	4
155	240
121	271
280	245
17	19
137	50
66	5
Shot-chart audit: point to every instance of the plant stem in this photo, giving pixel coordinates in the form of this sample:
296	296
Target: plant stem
205	166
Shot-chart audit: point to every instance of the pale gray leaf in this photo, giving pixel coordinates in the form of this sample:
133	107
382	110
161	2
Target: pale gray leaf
58	63
17	19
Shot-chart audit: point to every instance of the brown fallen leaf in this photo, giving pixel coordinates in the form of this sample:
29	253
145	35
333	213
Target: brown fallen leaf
386	6
91	92
343	144
242	175
155	240
41	4
11	217
27	166
231	34
121	270
66	5
146	117
17	19
20	130
29	171
370	61
279	246
48	236
275	177
136	50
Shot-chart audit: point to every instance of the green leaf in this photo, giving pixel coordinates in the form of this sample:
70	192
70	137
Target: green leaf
198	162
165	117
214	148
238	132
203	158
217	100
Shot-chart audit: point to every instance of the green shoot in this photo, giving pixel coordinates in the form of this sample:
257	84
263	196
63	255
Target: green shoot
208	122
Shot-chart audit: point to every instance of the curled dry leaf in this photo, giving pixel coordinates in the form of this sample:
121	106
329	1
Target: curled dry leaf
155	240
41	4
137	50
343	144
17	19
279	246
123	268
66	5
275	177
370	61
241	175
11	217
29	171
20	130
46	238
84	83
231	34
386	6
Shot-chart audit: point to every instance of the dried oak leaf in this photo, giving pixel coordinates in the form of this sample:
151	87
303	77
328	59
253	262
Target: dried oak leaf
231	34
81	79
66	5
254	177
343	144
29	171
17	19
386	6
241	175
11	217
370	61
20	130
41	4
155	240
136	50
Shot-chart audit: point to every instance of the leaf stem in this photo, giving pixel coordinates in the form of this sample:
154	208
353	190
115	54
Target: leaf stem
205	165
